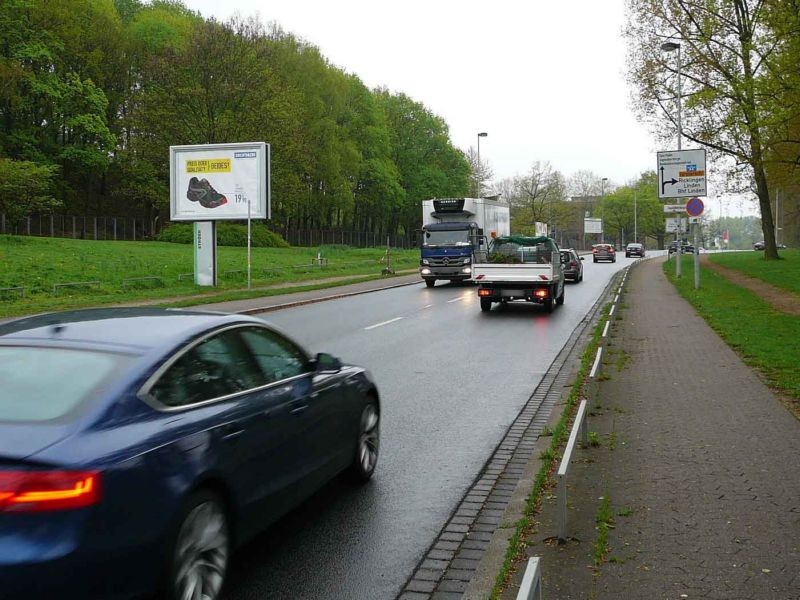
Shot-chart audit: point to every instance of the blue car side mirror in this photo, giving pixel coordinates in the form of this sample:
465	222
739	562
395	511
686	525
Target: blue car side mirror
325	363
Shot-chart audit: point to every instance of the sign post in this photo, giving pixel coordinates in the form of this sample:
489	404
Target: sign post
214	182
694	208
682	174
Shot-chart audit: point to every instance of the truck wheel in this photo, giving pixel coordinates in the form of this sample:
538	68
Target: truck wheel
430	282
548	305
560	299
486	304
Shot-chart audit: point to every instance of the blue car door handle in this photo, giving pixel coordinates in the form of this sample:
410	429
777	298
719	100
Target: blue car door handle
231	431
298	408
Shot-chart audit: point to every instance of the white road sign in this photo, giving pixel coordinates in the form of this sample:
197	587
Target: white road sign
674	208
676	225
212	182
681	174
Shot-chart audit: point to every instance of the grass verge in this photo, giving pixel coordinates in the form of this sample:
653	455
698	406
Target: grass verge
516	546
37	264
784	274
765	338
605	521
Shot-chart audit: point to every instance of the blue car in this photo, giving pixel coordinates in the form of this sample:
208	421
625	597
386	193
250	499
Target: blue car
140	447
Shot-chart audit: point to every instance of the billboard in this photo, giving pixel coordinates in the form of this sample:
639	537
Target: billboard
592	226
211	182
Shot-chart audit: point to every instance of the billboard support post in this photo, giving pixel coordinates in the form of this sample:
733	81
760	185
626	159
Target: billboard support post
249	270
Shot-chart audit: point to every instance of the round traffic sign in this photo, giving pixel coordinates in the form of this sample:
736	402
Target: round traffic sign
695	207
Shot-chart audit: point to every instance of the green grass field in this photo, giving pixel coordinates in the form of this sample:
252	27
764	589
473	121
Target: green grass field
37	264
765	338
780	273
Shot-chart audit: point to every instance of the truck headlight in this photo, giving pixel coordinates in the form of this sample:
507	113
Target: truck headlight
466	270
467	260
425	271
425	261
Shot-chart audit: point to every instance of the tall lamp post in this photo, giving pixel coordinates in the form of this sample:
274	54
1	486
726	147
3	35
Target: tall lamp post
602	209
669	47
480	167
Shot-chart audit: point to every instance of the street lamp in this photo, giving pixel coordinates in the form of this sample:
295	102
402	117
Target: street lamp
602	209
669	47
480	168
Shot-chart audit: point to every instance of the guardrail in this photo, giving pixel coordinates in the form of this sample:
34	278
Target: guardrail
57	286
135	280
531	587
18	289
579	425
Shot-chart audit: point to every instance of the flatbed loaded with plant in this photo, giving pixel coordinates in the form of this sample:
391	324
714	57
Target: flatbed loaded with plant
521	267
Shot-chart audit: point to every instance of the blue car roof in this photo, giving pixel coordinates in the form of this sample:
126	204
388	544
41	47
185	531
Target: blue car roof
136	329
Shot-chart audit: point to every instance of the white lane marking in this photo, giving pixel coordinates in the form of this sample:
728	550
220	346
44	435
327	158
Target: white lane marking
616	299
605	329
596	365
459	299
382	324
611	312
428	306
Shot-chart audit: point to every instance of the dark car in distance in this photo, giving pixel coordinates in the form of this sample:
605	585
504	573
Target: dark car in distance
762	245
685	248
140	447
573	265
604	252
634	249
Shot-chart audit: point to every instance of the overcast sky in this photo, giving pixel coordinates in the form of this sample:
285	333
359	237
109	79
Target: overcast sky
544	79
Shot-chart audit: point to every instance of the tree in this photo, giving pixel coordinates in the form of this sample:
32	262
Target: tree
26	187
481	172
633	210
429	165
732	63
536	195
584	184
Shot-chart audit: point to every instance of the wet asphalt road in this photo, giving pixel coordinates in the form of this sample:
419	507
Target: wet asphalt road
451	379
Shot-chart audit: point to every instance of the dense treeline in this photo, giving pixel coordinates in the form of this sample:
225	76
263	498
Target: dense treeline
93	93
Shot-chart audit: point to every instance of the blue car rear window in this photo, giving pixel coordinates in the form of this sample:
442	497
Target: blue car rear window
45	384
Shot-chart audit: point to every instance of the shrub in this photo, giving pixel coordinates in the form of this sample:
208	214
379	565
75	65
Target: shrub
228	234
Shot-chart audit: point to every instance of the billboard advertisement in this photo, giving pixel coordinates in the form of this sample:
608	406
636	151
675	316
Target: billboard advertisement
211	182
592	226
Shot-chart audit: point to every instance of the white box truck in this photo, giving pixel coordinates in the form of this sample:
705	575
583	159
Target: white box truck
454	230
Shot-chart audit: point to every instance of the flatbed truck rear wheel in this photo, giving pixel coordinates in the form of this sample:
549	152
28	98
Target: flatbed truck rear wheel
430	282
486	304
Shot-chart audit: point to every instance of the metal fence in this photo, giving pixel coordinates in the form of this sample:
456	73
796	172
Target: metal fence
356	239
134	228
79	227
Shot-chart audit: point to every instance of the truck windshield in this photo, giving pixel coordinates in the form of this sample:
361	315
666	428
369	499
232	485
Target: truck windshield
457	237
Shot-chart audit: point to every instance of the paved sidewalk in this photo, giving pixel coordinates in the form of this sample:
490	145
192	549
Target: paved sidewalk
700	462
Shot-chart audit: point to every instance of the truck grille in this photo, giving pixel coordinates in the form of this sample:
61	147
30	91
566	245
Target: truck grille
446	262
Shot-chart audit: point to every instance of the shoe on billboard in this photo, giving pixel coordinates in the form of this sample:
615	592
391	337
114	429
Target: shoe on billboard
200	190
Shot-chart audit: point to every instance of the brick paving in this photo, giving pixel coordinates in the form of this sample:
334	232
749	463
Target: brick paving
700	462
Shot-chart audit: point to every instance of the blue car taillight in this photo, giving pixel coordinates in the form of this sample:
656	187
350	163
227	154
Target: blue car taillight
38	491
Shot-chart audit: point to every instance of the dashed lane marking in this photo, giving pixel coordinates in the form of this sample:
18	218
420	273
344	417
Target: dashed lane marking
383	323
